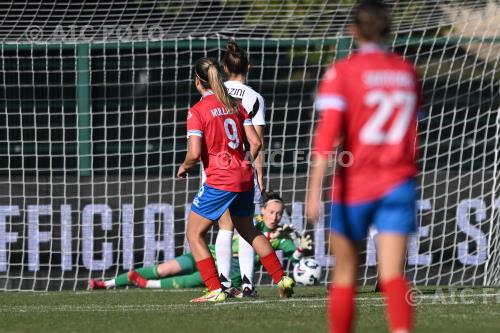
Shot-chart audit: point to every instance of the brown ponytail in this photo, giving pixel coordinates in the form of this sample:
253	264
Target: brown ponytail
208	71
235	59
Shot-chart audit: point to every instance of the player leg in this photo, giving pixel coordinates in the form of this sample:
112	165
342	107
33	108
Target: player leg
123	280
348	227
246	255
224	249
242	215
188	277
196	231
192	280
246	258
183	264
395	220
391	256
208	205
341	306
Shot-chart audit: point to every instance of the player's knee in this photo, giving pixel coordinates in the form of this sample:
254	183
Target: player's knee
164	270
225	222
345	275
348	263
194	236
389	272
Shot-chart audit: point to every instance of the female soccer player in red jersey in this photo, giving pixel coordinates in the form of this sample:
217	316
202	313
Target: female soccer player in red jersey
368	104
217	127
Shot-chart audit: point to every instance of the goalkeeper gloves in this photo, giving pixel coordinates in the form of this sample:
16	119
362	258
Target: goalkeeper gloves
305	242
285	231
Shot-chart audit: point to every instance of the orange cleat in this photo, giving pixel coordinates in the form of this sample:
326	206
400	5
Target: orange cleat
96	284
137	279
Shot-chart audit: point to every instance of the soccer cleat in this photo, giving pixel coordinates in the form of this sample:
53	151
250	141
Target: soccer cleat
249	292
226	284
96	284
232	292
248	288
211	296
137	279
285	286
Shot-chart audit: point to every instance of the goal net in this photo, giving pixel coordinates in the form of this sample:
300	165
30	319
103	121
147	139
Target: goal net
94	98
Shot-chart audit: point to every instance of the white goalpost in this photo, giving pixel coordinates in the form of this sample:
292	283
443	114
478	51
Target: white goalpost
94	99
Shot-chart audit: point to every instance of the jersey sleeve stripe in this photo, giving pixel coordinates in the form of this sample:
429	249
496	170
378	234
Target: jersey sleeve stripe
194	133
336	102
247	122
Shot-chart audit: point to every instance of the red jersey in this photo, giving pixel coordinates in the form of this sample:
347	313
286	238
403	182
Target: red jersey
223	134
369	101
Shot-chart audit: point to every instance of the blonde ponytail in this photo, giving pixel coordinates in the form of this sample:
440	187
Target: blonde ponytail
207	70
219	89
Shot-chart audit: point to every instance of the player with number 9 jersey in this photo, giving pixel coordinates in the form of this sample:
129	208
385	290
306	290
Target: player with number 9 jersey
223	156
216	132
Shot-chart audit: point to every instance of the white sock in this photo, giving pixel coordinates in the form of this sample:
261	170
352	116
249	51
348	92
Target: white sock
246	256
224	254
153	284
109	283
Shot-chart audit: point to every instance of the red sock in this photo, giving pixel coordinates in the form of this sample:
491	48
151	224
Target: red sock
399	309
341	308
208	273
272	266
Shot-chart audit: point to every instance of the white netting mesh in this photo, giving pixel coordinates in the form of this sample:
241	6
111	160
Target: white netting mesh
94	99
145	20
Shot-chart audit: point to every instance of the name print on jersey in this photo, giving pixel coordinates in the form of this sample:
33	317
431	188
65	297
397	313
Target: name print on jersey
388	78
217	112
236	92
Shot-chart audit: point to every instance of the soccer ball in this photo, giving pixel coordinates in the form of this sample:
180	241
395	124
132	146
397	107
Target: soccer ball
307	272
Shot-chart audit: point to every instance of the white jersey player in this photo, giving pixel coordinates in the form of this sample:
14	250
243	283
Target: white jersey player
253	103
236	67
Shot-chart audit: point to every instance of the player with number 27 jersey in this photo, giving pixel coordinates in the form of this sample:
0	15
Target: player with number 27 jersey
222	155
370	102
372	98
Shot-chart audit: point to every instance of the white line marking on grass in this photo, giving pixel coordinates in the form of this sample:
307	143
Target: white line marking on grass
128	290
278	300
91	308
433	296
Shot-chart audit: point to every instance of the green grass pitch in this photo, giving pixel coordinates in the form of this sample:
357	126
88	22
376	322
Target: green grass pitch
170	311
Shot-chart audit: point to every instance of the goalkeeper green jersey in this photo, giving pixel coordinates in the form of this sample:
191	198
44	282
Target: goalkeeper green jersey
279	244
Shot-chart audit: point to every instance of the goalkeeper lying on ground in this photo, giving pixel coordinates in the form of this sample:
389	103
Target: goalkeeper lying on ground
181	272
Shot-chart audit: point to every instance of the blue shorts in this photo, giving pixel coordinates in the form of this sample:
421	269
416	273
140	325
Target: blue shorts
211	203
395	212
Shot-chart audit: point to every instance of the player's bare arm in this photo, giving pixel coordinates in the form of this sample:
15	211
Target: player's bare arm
316	174
192	156
258	162
253	140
